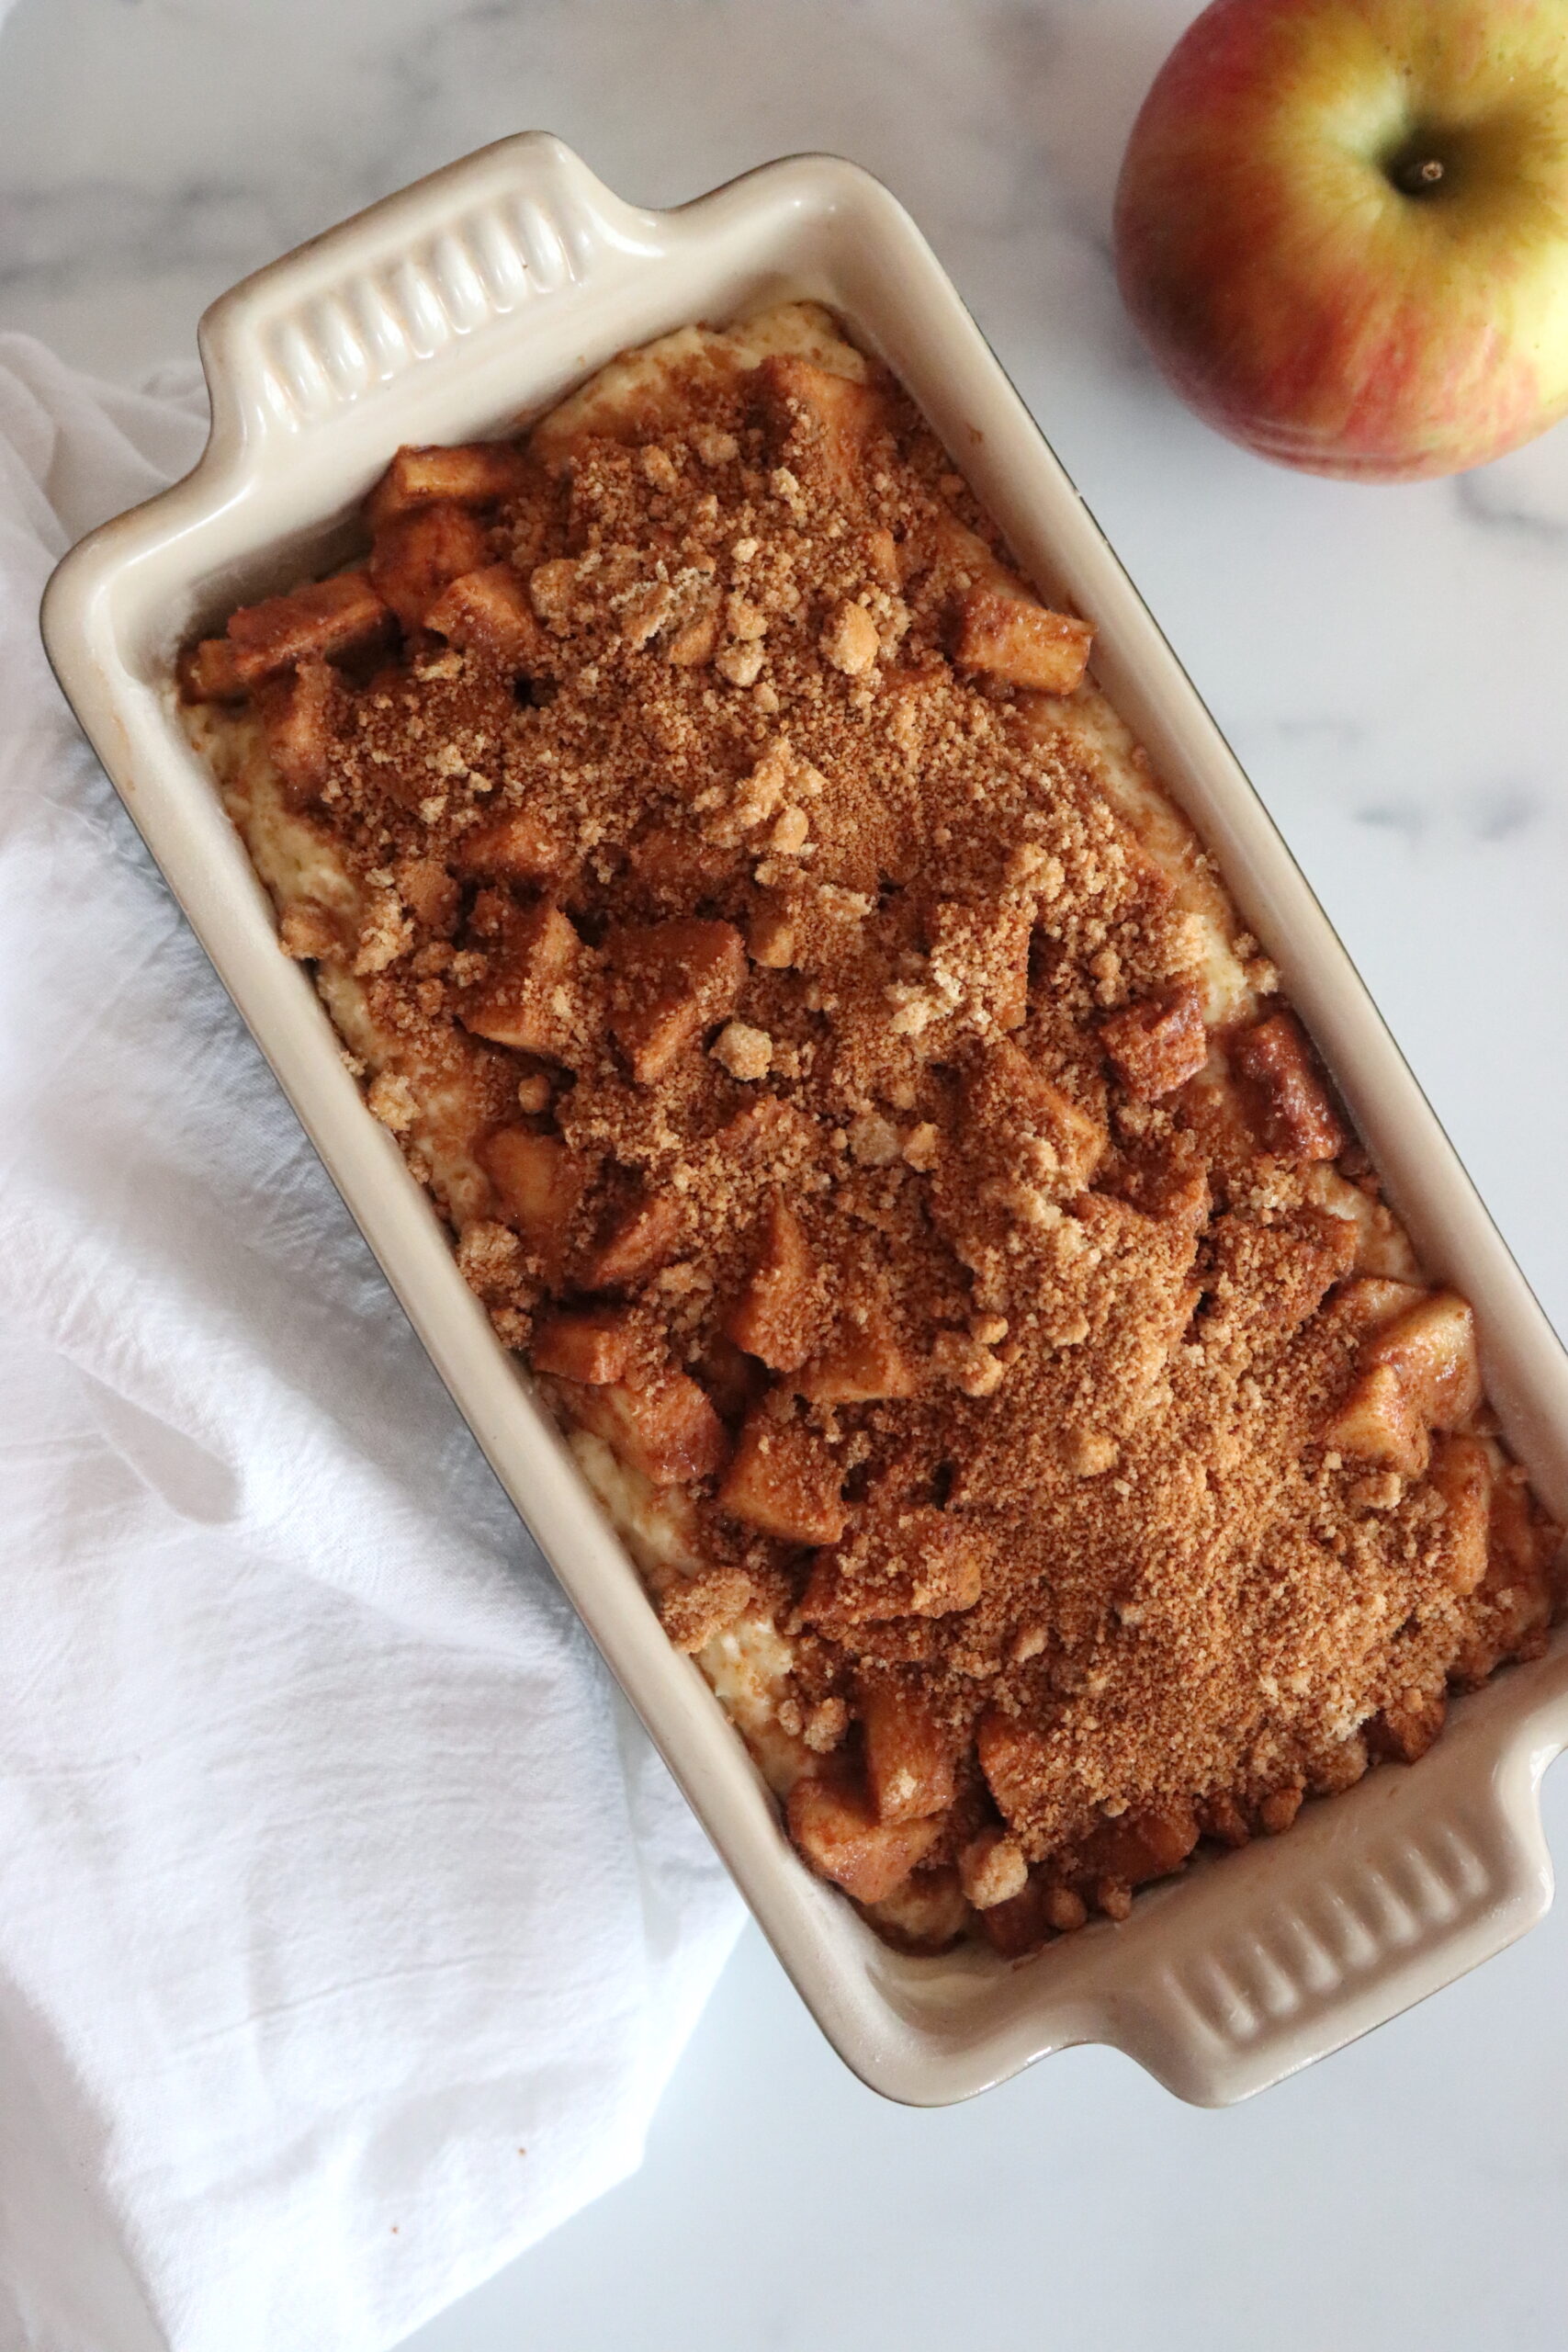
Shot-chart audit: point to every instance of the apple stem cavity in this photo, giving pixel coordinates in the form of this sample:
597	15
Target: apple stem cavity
1417	175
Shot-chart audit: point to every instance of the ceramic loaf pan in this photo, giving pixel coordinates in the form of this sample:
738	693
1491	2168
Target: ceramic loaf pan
465	305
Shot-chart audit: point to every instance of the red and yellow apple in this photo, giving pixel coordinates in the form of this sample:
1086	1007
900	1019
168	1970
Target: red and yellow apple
1342	227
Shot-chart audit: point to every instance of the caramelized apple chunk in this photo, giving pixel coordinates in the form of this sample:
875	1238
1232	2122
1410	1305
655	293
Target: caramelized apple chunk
538	1185
834	1826
1148	1844
592	1344
477	473
1159	1044
208	671
908	1755
667	1430
825	420
1408	1724
327	619
1420	1372
300	713
420	552
783	1480
1013	637
776	1317
865	1362
518	846
1297	1118
488	610
639	1237
1461	1471
532	998
673	980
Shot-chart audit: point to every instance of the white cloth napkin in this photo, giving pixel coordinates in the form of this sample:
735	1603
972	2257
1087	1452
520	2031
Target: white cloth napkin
349	1927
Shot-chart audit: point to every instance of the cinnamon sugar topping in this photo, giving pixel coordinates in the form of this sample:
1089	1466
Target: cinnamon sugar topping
733	874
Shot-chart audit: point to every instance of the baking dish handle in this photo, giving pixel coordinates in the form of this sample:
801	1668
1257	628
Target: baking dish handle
360	316
1445	1864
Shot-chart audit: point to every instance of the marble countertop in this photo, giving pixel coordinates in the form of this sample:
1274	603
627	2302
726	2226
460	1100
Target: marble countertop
1388	664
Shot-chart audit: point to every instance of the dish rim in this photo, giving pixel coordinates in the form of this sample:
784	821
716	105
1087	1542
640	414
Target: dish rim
426	307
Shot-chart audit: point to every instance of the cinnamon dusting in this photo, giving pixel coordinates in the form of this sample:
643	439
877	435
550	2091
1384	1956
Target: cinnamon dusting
821	1044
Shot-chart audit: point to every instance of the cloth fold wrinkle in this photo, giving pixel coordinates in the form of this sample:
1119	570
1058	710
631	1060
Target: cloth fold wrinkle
337	1874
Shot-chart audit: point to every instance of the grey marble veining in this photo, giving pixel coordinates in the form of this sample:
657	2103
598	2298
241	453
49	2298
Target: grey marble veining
1389	664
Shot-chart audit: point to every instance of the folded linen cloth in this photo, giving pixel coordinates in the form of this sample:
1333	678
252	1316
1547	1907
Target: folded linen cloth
350	1927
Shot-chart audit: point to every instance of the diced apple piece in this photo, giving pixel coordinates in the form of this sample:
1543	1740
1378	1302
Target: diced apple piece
667	1430
866	1366
1022	1147
785	1481
519	846
1298	1120
1432	1349
826	418
679	867
908	1757
1220	1817
1380	1421
1461	1473
1406	1727
640	1239
676	978
832	1823
866	1361
1136	1847
1264	1281
1029	1918
531	1000
1522	1541
418	552
326	619
428	891
927	1914
913	1562
774	1316
489	611
206	672
591	1344
538	1183
299	715
1418	1372
1373	1301
1013	636
1017	1762
477	473
1158	1046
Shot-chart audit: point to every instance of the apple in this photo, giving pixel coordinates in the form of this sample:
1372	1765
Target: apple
1342	227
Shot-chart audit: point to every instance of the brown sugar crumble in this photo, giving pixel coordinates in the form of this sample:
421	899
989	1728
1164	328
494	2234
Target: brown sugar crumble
849	1088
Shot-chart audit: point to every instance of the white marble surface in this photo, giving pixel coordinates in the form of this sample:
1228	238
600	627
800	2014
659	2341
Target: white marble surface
1389	665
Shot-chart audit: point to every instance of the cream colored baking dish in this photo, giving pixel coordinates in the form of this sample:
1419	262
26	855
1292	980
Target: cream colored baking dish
461	307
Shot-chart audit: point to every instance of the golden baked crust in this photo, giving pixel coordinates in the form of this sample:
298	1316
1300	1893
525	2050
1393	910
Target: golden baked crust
850	1086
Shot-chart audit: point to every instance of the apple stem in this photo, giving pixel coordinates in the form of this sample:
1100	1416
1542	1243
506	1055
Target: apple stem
1418	179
